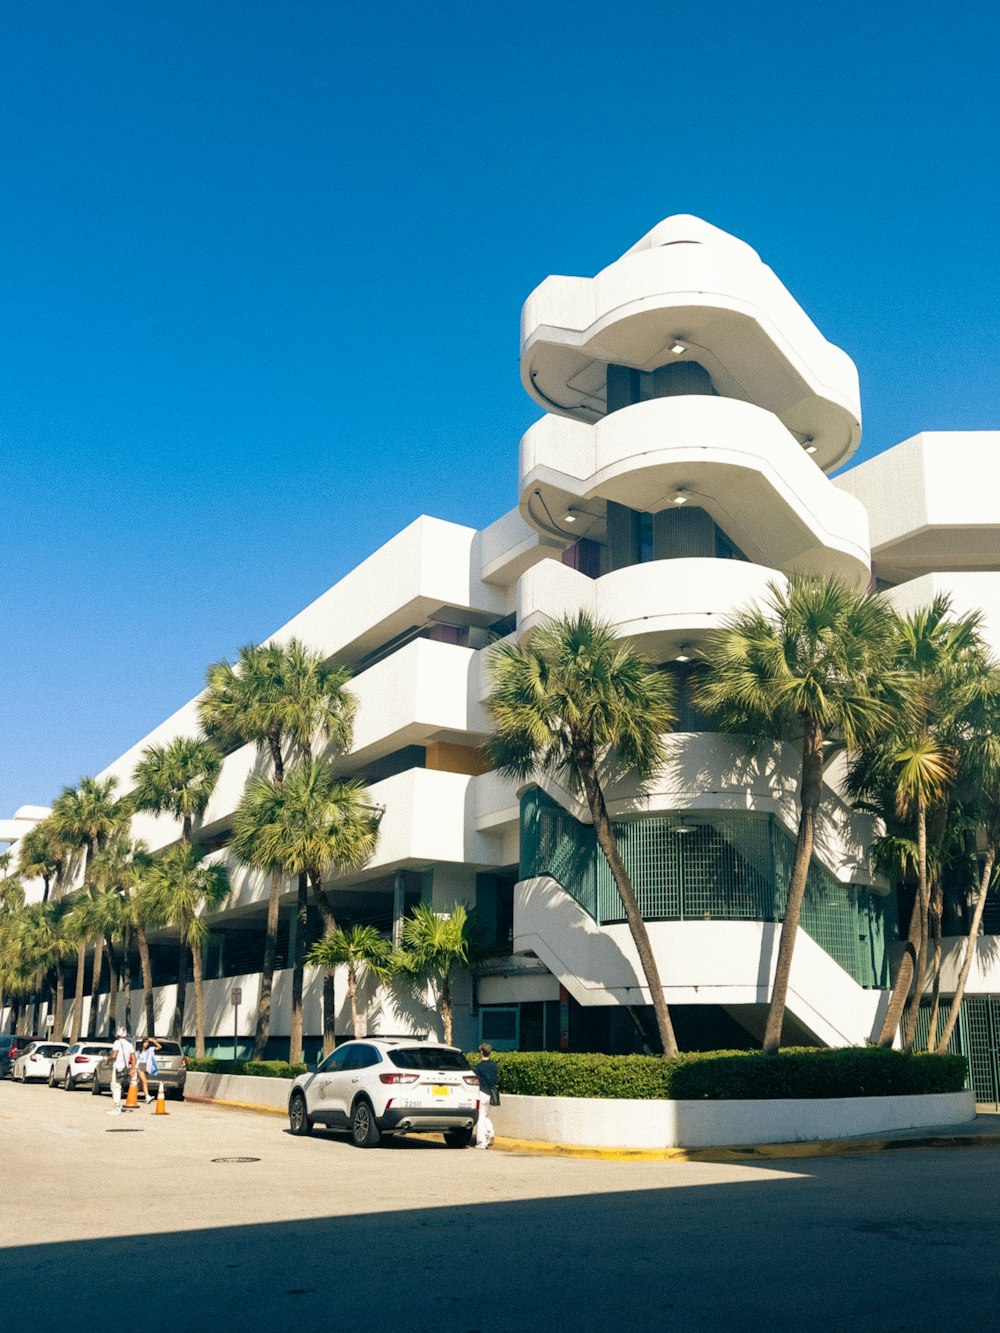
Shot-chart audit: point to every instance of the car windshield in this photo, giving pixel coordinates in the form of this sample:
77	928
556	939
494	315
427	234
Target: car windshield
427	1057
49	1050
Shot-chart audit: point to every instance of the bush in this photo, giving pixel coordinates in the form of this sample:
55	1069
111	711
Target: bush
868	1071
254	1068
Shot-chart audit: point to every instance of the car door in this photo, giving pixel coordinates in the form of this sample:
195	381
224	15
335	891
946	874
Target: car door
320	1094
355	1076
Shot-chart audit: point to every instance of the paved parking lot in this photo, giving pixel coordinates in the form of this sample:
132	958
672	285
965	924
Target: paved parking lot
316	1233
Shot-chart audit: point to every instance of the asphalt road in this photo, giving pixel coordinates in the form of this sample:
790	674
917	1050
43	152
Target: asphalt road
416	1237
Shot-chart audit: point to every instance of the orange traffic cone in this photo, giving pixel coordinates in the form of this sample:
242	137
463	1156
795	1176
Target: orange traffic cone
161	1101
132	1100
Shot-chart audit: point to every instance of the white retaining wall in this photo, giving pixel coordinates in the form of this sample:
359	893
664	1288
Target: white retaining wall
599	1123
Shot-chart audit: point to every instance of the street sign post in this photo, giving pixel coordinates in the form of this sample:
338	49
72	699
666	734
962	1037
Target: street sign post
236	997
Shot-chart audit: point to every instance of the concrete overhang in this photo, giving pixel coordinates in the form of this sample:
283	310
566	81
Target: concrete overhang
690	284
735	460
933	504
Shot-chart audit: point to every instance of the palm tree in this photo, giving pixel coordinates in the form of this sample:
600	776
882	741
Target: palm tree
364	951
910	771
89	916
983	765
576	703
305	825
177	779
42	854
46	945
183	885
274	696
434	944
11	904
814	663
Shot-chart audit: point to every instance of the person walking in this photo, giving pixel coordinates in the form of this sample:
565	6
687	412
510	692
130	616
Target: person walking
489	1095
122	1060
146	1065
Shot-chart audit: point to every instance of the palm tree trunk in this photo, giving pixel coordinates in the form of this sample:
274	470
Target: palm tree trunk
177	1030
904	978
637	926
352	991
923	896
199	1001
95	985
447	1009
127	977
147	979
112	987
57	1028
298	971
970	944
267	975
329	995
809	799
81	963
937	913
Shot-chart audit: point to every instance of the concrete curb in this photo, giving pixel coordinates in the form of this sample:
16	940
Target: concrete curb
237	1106
757	1152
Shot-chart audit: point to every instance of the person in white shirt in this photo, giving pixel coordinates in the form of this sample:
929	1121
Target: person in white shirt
122	1059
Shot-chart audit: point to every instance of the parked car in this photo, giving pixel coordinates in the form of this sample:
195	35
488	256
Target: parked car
382	1086
171	1070
77	1064
11	1047
36	1060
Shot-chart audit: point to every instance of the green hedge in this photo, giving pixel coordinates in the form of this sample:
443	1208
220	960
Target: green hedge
729	1075
255	1068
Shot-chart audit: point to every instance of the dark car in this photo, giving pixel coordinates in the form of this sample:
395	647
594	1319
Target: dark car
171	1071
10	1048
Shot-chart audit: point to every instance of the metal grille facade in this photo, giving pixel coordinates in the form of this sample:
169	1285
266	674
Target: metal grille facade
976	1036
731	868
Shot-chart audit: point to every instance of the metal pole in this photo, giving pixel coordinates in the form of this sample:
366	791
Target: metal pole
236	1024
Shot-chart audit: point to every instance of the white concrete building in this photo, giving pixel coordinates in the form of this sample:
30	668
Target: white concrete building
693	414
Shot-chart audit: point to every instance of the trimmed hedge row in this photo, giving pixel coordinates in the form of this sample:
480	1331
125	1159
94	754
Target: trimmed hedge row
730	1075
254	1068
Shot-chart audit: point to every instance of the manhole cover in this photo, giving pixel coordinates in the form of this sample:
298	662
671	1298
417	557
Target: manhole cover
235	1159
137	1130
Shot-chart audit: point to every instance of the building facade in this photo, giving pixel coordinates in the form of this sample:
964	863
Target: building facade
692	417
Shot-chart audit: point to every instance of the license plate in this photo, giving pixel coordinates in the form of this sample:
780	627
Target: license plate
440	1090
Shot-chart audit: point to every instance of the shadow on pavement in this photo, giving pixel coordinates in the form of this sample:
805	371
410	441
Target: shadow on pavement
836	1249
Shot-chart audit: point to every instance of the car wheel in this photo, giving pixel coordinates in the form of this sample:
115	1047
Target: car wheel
298	1118
95	1087
364	1131
52	1078
458	1138
21	1077
68	1081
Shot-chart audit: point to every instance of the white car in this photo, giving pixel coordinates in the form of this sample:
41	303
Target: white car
36	1060
388	1086
77	1064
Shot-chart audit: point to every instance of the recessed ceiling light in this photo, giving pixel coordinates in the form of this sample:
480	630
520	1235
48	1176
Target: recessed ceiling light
570	517
810	448
677	347
682	654
680	498
683	828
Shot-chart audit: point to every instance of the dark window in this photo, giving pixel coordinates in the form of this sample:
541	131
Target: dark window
427	1057
170	1048
499	1024
363	1057
334	1062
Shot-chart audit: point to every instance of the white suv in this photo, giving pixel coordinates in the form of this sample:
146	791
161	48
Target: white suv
75	1066
388	1086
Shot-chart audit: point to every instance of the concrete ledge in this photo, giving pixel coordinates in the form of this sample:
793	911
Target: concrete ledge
660	1125
239	1089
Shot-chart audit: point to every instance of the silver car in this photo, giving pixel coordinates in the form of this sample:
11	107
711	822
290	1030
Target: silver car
171	1071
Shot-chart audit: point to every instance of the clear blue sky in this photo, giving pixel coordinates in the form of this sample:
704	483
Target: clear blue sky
263	262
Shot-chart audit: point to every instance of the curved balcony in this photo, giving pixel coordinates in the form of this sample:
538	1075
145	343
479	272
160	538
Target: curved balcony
735	460
691	284
658	605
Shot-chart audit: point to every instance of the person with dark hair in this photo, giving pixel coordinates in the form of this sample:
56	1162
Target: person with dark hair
489	1095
